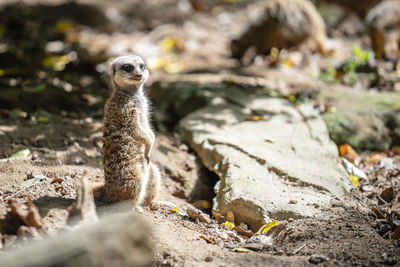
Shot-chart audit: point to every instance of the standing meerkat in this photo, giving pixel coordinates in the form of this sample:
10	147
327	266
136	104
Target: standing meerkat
383	21
128	137
285	23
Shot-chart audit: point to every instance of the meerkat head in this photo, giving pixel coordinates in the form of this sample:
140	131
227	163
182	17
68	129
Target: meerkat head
128	72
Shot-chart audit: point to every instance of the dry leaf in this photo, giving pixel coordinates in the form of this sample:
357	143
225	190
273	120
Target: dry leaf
207	239
387	194
269	140
241	250
230	217
396	234
376	159
57	180
348	152
241	231
255	118
395	150
202	204
219	217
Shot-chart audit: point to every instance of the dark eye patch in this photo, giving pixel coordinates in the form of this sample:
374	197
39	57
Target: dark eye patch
142	66
127	67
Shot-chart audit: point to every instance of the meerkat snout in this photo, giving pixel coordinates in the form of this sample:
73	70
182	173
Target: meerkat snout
128	71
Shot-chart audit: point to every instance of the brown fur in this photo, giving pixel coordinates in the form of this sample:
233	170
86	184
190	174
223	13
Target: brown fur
382	20
285	23
128	139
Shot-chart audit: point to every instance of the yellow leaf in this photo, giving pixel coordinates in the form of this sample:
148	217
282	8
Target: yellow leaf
174	210
274	52
202	204
291	98
19	113
11	71
229	225
57	63
355	179
22	153
288	63
43	119
170	43
64	26
241	250
266	227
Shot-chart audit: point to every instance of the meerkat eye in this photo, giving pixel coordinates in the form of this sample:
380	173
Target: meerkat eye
142	66
127	67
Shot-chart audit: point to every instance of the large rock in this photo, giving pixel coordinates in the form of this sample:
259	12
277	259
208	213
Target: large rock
281	167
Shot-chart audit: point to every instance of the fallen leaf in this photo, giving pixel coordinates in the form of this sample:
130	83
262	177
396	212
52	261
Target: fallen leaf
19	113
5	112
291	98
56	63
355	179
269	140
172	43
24	153
57	180
376	159
255	118
207	239
396	234
230	217
202	204
241	231
229	225
288	64
348	152
174	210
64	26
395	150
241	250
219	217
43	119
387	194
266	227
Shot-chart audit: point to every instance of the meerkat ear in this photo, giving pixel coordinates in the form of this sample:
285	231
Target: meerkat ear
113	70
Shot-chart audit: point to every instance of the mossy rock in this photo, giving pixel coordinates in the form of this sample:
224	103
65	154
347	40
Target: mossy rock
365	120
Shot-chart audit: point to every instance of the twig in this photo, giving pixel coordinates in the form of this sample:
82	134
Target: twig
300	248
35	181
381	199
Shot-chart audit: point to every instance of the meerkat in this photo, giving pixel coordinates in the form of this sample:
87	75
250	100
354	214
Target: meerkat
285	23
127	136
384	20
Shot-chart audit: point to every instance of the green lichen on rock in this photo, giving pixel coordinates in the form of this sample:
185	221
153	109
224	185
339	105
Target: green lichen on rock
365	120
